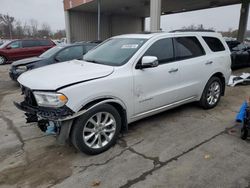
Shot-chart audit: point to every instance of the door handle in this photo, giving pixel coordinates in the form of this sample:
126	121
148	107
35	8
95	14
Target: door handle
209	63
173	70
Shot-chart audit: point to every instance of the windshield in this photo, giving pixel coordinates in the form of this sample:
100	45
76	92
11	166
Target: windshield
51	52
114	52
4	43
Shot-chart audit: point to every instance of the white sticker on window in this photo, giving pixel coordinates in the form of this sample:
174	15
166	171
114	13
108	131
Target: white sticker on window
129	46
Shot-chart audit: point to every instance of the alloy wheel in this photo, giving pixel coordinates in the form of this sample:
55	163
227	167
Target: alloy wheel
99	130
213	93
2	60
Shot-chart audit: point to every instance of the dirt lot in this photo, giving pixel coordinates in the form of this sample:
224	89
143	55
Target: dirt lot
184	147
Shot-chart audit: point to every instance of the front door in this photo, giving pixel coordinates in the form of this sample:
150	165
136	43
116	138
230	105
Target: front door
14	50
158	86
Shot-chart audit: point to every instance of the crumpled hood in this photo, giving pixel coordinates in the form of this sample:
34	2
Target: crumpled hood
26	61
53	77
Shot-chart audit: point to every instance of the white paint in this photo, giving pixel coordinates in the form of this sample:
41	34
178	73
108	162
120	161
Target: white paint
143	92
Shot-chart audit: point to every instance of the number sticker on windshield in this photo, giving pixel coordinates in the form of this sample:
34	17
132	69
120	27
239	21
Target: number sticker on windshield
129	46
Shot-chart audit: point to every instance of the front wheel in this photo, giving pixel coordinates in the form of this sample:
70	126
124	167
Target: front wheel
2	60
97	130
212	93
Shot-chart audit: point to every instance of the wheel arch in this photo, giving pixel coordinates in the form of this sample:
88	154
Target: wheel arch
115	102
223	81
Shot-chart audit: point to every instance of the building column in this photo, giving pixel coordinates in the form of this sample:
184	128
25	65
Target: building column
98	20
155	15
243	20
142	24
67	26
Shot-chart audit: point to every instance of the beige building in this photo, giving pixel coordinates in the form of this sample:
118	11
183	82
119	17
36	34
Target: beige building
100	19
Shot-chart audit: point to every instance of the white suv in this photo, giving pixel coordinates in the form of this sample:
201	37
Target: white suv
122	80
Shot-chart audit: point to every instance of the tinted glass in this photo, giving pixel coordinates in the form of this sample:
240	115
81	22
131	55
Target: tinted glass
188	47
75	52
163	50
30	43
214	44
45	43
89	47
50	52
16	44
114	52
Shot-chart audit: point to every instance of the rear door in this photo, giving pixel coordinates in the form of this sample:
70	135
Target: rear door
32	48
194	67
46	44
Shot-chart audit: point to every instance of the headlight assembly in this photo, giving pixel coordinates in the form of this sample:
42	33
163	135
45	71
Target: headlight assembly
50	99
21	69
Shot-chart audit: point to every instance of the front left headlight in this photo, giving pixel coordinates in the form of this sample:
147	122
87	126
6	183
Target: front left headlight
50	99
21	69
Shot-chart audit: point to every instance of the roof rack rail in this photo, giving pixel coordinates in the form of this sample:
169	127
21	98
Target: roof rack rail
192	30
150	32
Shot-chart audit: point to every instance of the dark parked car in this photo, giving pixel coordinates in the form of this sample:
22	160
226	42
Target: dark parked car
20	49
53	55
240	54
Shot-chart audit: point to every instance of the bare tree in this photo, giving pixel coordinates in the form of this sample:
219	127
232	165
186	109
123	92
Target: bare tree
59	34
45	30
19	31
34	27
27	29
7	20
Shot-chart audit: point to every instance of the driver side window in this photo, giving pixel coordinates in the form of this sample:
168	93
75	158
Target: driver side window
163	50
70	53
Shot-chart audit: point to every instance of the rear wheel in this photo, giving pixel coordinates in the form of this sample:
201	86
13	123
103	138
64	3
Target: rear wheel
97	130
212	93
2	60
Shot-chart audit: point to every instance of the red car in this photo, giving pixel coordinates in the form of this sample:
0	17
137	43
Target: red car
20	49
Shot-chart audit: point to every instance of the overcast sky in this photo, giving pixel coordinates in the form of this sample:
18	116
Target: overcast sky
51	11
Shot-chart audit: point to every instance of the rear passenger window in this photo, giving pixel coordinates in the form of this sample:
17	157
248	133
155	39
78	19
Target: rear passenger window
214	44
30	43
163	50
45	43
188	47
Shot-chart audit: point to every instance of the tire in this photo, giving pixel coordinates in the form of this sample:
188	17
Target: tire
211	94
2	60
91	137
244	133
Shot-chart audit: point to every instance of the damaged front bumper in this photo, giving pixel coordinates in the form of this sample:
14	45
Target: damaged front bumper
52	114
57	114
56	121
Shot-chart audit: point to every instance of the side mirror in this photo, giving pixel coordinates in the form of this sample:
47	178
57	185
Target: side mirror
149	62
8	47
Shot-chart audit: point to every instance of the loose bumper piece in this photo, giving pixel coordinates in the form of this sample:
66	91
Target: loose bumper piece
54	114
